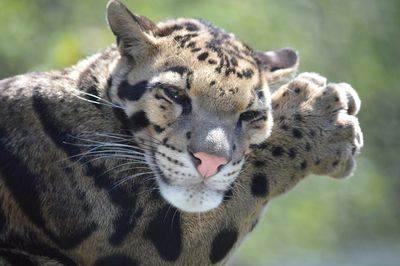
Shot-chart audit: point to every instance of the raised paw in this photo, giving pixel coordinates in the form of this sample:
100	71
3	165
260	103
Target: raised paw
317	126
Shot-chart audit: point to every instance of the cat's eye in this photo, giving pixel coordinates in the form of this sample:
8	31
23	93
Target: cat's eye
178	96
174	94
250	116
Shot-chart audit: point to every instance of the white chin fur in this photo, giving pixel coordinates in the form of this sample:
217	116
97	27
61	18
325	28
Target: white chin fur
194	198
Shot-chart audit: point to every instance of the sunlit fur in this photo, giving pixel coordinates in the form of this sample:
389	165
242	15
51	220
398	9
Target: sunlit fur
84	174
221	80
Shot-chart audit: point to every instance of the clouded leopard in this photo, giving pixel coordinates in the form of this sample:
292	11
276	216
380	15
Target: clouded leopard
162	149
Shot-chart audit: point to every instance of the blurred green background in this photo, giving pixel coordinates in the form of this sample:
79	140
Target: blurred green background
322	221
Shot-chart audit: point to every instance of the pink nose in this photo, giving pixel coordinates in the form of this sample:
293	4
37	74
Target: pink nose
209	163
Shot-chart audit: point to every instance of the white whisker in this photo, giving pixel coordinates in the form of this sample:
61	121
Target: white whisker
129	178
102	101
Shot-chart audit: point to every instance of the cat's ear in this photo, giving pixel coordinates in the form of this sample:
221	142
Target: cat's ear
277	65
134	33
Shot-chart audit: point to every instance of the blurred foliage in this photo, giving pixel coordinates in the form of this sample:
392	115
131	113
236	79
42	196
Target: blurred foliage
322	221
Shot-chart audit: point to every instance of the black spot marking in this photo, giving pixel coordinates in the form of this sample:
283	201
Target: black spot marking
73	239
285	127
308	146
303	165
174	161
259	185
168	30
165	232
132	92
228	194
298	118
109	81
212	61
297	90
297	133
335	163
350	109
188	135
51	127
139	121
123	119
191	45
203	56
125	199
260	95
234	61
189	80
116	260
124	223
233	90
292	153
222	244
237	162
317	162
186	104
247	73
191	26
158	129
261	146
277	151
178	69
194	50
249	116
160	97
182	40
212	83
258	164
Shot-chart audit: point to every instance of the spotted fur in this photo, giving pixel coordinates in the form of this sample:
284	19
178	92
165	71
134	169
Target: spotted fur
96	161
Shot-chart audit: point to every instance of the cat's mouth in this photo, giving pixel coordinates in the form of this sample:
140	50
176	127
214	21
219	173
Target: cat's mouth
195	196
184	187
191	198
